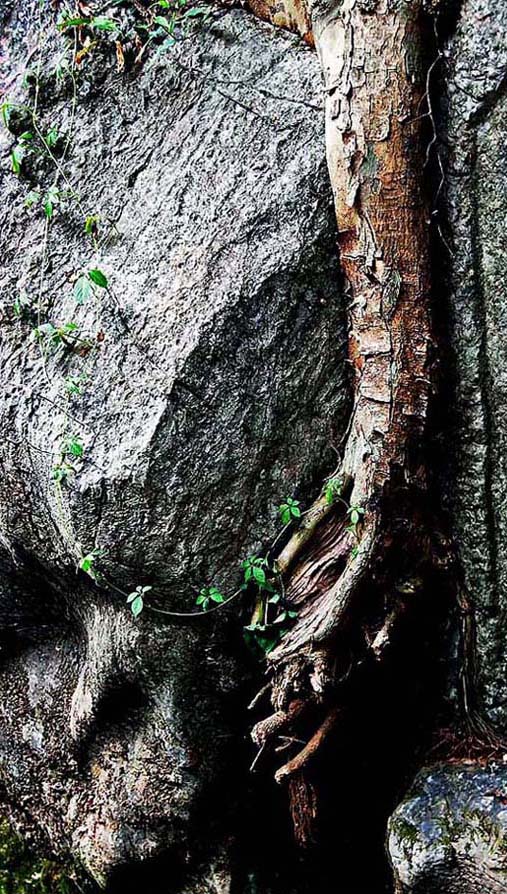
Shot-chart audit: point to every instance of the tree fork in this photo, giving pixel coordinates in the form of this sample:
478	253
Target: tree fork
375	75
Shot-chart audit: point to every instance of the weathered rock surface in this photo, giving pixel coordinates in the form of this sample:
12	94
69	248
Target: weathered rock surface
450	834
216	389
476	186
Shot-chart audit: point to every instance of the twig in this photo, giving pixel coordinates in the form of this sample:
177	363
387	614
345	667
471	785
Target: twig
308	752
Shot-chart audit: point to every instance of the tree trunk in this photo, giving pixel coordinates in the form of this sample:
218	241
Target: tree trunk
375	74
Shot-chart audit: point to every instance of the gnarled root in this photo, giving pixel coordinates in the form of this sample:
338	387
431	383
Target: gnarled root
375	84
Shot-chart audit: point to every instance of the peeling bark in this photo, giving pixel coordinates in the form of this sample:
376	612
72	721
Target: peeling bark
375	83
290	14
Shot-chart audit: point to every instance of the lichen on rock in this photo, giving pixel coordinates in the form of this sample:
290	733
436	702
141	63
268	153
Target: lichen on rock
22	872
450	834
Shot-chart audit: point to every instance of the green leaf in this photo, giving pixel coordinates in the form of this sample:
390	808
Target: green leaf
21	302
289	510
67	328
76	448
98	278
209	594
137	605
64	23
82	289
259	574
102	23
164	23
266	643
51	137
90	224
75	384
7	108
32	197
61	472
17	156
354	516
197	11
333	489
87	561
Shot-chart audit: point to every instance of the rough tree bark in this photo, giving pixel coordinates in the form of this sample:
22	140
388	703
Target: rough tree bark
375	75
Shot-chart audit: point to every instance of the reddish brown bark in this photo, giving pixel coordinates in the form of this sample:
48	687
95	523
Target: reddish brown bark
375	83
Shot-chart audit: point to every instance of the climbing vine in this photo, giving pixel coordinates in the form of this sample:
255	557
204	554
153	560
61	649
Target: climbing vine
154	28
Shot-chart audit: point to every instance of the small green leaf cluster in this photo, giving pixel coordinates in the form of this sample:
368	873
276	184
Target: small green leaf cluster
83	287
74	384
23	872
22	304
71	450
289	510
48	200
333	489
355	514
254	570
272	617
31	141
136	600
178	14
88	563
65	336
73	447
99	23
56	336
61	472
209	596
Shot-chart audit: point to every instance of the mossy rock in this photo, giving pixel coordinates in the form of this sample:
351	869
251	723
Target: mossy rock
21	872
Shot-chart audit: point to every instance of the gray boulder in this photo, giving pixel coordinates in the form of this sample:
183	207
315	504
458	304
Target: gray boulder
450	834
215	387
476	189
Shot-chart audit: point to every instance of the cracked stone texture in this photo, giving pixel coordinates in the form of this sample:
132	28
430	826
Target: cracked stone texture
216	388
477	205
450	834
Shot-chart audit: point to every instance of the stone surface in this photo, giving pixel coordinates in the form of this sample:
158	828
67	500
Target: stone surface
476	187
22	873
217	386
450	834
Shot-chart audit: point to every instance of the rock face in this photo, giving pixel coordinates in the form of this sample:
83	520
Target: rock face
215	386
476	182
450	835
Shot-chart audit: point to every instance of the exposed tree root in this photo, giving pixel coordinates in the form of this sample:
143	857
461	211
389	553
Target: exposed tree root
304	809
300	761
280	722
375	81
